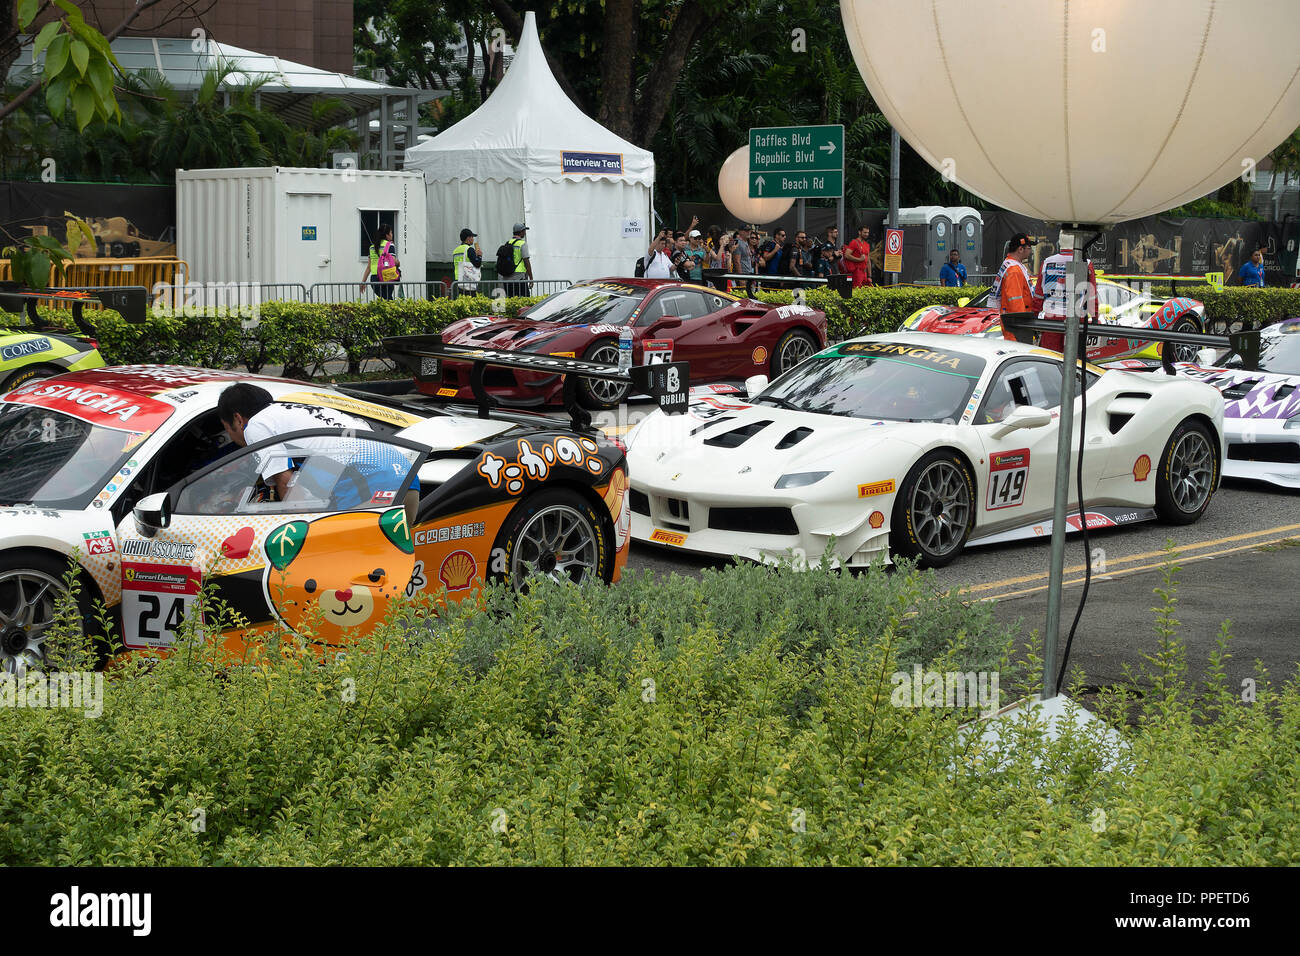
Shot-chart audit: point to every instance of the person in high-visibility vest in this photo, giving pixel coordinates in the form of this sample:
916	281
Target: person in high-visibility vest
522	261
466	260
1011	292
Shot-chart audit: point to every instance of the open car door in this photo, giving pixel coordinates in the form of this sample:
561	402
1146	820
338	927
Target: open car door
323	560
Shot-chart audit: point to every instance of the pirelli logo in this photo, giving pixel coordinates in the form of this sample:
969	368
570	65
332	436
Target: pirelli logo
446	393
876	488
668	537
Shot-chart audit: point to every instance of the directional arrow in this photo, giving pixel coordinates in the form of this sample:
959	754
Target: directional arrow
759	183
829	147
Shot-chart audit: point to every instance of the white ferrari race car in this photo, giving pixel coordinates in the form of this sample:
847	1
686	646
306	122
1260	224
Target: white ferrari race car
917	444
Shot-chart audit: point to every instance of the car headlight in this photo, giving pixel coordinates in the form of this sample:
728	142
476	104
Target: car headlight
1292	422
800	479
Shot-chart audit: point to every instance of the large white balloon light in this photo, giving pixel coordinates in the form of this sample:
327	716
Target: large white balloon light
1088	111
733	187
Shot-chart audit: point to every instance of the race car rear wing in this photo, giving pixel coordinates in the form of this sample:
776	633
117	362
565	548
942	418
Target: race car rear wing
422	355
1245	344
843	284
128	301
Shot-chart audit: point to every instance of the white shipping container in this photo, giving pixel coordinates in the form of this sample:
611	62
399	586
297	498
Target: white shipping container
283	225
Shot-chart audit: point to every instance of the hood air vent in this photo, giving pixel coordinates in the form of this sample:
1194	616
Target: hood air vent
737	436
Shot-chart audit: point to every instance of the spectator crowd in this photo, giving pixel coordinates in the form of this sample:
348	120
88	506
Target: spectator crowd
685	254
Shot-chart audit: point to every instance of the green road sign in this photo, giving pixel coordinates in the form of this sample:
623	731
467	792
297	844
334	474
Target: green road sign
796	161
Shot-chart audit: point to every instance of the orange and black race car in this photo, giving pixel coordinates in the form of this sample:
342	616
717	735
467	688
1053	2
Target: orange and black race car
128	469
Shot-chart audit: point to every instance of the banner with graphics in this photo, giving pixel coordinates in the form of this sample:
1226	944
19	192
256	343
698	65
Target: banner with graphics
129	221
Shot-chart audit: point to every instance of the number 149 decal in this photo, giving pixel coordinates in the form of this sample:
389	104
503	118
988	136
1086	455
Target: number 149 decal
1008	476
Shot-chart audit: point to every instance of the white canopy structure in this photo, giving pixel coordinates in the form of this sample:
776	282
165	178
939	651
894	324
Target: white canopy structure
530	155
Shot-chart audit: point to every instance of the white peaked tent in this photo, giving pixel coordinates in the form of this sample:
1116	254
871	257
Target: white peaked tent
529	154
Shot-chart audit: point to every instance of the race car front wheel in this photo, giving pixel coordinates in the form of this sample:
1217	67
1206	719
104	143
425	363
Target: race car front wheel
42	626
934	510
1189	471
795	346
598	394
556	533
27	374
1186	353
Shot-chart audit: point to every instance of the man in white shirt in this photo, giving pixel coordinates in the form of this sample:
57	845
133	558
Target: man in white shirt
249	415
658	263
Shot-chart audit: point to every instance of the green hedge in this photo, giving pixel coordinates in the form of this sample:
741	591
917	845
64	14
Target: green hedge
300	337
742	718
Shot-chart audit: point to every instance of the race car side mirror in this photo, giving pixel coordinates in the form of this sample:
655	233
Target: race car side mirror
1206	356
666	322
152	514
1024	416
963	302
755	384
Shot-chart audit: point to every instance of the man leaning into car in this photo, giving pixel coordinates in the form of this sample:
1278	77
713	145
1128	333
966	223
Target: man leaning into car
249	415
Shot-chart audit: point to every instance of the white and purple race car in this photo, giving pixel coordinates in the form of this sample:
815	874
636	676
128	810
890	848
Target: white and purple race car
1261	408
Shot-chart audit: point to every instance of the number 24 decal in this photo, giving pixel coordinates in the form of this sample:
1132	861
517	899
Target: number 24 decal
151	609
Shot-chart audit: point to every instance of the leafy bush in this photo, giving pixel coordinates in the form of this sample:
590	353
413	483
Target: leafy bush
302	336
741	718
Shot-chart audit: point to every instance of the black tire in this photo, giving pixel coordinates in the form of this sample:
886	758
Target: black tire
597	395
795	346
26	374
34	580
561	519
1186	323
1187	473
943	480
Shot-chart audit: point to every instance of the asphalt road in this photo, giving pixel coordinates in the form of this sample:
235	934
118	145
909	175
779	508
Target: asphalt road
1235	565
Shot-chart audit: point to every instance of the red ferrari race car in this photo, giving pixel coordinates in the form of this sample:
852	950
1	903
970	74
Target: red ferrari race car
1120	305
723	338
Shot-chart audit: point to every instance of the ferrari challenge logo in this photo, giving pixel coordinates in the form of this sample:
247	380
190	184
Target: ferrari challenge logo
876	488
1142	468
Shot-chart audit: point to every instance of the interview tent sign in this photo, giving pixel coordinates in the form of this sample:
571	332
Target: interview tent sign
598	164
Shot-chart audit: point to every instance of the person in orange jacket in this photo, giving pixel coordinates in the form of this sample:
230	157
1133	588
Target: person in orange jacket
1011	292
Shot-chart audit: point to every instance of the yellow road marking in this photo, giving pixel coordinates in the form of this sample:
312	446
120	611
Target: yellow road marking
1110	573
1182	549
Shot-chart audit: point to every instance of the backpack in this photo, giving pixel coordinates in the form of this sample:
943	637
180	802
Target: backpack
505	260
388	264
639	271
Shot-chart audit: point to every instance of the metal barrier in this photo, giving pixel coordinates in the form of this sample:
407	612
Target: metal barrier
231	296
337	292
535	287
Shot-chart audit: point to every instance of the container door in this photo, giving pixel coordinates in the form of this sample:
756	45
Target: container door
309	254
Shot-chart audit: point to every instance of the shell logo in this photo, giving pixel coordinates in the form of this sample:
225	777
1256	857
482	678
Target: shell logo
458	569
760	355
876	519
1142	468
617	488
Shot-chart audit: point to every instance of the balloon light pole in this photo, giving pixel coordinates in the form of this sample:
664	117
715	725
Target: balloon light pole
1038	133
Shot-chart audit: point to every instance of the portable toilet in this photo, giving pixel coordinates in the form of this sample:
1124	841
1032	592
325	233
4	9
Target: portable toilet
968	229
935	231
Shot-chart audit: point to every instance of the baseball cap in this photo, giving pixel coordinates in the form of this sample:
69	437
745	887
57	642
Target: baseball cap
520	227
692	234
467	233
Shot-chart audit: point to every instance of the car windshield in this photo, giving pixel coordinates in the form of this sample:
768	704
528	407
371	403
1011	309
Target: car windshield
893	381
1278	353
588	305
57	461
